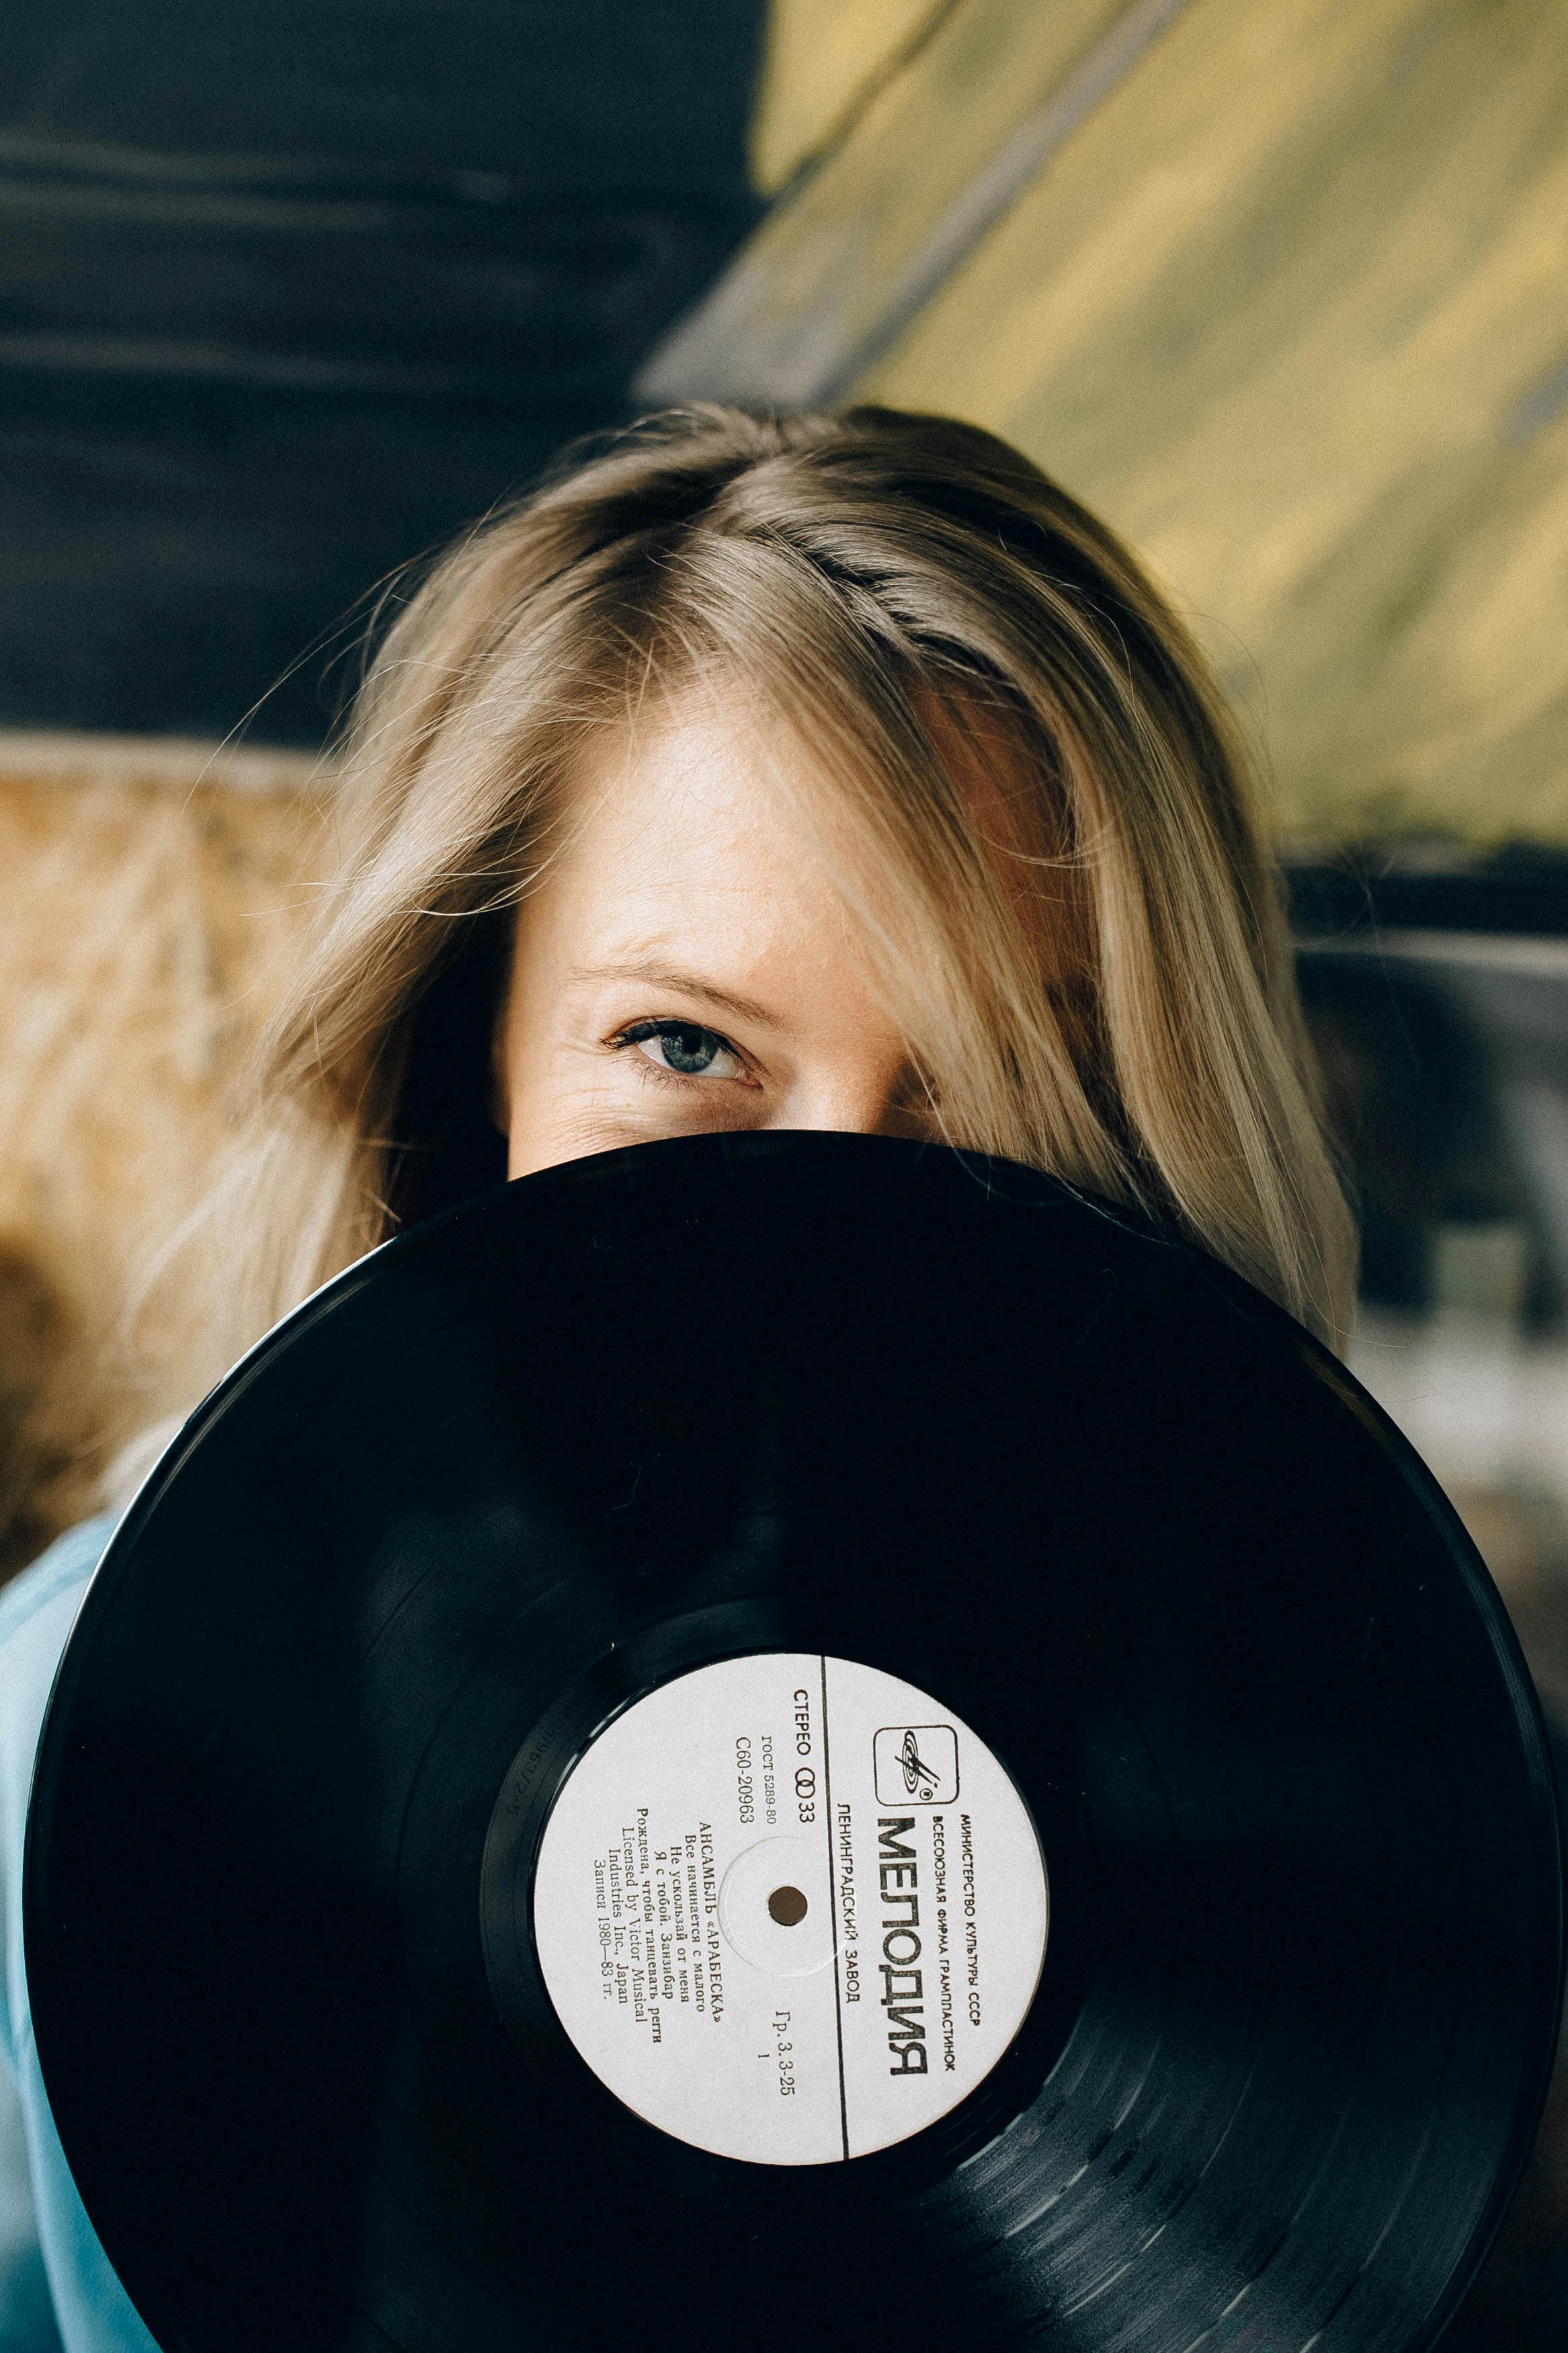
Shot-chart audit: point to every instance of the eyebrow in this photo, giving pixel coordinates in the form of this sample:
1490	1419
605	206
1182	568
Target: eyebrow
654	974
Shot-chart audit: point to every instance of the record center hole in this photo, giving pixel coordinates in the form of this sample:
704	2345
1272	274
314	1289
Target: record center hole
787	1905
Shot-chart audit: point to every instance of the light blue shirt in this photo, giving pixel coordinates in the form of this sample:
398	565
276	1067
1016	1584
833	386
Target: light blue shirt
58	2293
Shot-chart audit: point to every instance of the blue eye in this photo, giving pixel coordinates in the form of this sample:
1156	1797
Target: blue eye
684	1049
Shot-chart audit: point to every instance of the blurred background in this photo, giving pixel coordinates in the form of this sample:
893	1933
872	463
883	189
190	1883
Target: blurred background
1280	287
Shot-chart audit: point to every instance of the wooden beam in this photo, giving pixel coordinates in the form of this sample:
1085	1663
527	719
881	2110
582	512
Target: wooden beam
1292	309
823	61
833	278
1283	291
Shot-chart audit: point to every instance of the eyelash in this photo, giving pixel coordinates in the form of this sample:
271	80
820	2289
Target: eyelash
640	1031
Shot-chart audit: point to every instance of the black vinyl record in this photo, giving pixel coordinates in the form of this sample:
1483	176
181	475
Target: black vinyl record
713	1400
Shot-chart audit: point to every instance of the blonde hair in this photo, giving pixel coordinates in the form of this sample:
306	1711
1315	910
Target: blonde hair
1075	922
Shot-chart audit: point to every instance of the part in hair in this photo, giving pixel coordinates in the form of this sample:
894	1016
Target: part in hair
1019	772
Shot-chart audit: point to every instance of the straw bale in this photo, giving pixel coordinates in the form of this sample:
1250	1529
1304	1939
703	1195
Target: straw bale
151	893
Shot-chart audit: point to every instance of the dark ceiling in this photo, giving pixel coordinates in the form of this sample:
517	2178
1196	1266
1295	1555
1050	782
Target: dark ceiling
289	293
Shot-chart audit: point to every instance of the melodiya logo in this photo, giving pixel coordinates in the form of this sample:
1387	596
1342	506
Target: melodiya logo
916	1765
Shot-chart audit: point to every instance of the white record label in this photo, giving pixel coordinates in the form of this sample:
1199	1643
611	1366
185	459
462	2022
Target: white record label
790	1909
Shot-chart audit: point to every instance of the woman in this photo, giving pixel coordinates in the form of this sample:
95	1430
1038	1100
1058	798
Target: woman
808	773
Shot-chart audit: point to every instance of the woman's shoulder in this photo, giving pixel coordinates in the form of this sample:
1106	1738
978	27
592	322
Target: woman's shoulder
37	1609
56	2285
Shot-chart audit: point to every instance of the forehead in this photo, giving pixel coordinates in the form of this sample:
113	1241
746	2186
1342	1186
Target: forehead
686	845
706	761
697	802
715	760
708	821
